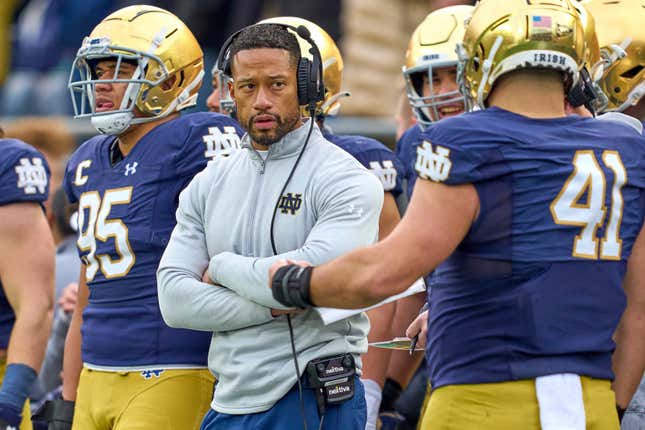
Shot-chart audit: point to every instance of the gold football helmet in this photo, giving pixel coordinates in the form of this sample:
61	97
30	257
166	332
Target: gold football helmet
432	46
622	41
331	59
160	46
507	35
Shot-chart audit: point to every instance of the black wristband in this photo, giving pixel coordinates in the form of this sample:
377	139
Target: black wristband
291	285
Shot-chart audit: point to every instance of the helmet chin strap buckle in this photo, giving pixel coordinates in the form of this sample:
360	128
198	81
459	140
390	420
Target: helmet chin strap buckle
112	123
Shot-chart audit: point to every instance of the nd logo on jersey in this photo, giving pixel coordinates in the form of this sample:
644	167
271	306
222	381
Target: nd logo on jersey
221	144
431	164
31	175
385	172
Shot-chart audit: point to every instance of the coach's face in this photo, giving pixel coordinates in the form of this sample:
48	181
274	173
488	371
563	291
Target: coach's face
265	91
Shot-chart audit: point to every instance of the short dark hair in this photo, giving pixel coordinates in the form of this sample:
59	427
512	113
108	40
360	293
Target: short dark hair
265	36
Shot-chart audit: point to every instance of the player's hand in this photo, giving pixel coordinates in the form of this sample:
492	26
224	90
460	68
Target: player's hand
419	327
67	300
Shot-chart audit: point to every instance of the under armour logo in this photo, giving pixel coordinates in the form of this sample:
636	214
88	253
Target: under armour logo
355	210
290	203
32	176
220	144
433	165
147	374
385	172
131	169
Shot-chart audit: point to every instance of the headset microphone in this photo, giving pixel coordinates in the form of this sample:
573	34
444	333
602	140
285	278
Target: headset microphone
303	32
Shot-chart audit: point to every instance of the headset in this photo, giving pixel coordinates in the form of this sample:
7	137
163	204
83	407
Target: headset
311	90
587	93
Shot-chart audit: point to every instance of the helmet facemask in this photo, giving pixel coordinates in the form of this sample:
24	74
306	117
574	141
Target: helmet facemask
427	109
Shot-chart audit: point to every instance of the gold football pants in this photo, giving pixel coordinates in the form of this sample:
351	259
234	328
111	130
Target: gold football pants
511	405
175	399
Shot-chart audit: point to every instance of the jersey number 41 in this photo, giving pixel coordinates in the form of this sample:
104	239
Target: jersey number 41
569	209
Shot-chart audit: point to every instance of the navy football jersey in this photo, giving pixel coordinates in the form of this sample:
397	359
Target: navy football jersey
24	177
126	216
374	156
535	287
406	151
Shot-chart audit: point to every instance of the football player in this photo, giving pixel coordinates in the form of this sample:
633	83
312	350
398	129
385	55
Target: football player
132	76
26	292
430	74
536	231
382	162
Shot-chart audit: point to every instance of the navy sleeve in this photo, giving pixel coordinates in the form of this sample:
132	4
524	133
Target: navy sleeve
24	173
209	137
445	156
68	179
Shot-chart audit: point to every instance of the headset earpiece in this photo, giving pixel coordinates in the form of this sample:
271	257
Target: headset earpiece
317	86
304	81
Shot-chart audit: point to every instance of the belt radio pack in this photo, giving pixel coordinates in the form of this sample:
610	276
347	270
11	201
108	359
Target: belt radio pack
332	379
